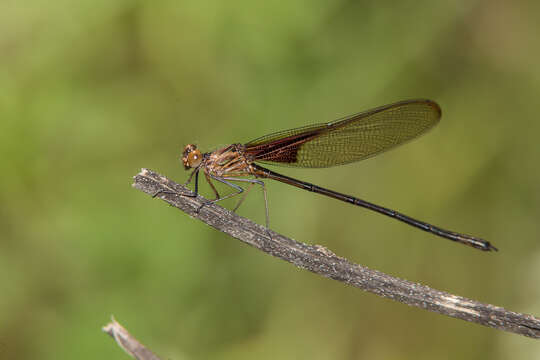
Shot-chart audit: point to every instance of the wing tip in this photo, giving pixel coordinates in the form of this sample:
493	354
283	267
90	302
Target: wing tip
434	106
430	103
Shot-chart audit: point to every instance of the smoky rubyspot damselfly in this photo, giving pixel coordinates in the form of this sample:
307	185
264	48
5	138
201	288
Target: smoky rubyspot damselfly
343	141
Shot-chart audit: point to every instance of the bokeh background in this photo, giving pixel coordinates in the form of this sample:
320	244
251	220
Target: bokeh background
91	91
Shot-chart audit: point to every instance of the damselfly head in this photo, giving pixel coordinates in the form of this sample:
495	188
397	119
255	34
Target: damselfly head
191	157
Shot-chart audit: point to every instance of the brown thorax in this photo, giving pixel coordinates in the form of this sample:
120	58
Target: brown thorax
229	160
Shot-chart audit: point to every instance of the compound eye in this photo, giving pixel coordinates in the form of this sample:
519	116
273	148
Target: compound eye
191	157
194	158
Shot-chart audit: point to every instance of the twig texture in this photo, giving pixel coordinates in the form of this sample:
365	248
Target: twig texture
322	261
127	342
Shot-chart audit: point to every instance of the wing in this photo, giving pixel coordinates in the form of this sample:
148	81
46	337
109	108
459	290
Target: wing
351	139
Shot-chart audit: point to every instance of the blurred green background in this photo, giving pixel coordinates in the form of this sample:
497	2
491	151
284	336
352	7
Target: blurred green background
91	91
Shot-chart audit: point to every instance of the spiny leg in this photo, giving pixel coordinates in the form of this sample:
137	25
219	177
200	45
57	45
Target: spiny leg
194	172
223	180
246	192
263	186
190	194
238	189
208	179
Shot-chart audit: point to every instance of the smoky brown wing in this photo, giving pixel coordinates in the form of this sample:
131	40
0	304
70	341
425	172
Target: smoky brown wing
347	140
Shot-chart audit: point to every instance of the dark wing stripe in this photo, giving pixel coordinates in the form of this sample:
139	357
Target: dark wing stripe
282	150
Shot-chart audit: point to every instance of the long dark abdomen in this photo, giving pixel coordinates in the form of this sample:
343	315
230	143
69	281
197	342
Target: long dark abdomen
461	238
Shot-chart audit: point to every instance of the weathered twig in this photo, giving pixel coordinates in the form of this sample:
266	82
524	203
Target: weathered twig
127	342
322	261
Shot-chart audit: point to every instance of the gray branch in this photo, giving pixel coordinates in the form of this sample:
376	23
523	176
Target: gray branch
127	342
322	261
